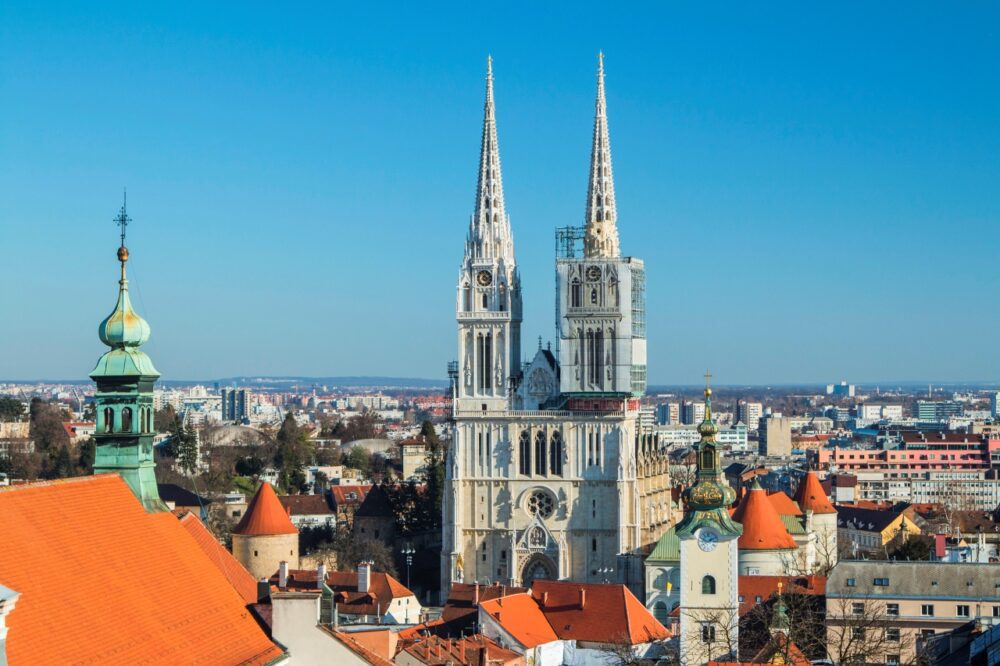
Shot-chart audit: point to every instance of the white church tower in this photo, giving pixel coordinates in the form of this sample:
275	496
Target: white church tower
600	296
488	307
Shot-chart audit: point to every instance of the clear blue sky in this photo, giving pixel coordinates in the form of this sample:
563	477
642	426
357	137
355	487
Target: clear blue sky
814	189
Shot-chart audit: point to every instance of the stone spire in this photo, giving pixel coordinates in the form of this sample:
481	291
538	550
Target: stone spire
489	231
601	239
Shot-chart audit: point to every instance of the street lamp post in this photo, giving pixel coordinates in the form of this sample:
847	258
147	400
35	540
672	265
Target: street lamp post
408	551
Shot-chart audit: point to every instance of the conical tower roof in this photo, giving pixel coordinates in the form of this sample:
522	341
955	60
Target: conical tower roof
265	516
811	496
762	526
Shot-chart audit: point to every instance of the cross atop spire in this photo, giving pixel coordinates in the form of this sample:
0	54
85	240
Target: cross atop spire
601	238
123	219
489	232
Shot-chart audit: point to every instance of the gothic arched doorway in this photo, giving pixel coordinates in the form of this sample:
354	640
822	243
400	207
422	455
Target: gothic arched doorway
538	567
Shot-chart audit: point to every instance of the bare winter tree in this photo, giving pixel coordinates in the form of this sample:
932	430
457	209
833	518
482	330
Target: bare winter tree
860	631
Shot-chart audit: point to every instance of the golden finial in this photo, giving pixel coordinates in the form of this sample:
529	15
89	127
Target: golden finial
708	380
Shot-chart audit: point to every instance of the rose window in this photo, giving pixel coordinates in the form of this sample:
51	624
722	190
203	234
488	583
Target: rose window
540	504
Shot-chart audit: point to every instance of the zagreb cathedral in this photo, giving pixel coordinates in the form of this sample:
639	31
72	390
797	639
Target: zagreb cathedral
549	473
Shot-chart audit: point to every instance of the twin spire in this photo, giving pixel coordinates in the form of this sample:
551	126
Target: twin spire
601	239
489	233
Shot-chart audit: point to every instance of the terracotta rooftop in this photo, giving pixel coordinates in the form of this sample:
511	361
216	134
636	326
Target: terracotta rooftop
607	614
382	589
751	587
104	582
265	515
521	617
783	504
307	505
763	528
468	651
349	495
811	496
241	579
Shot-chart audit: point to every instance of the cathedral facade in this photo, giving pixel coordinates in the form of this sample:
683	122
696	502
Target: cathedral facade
548	474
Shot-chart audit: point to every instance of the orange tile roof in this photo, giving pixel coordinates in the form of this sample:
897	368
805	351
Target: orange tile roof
751	587
382	589
241	579
265	515
784	504
520	617
762	526
811	496
609	614
357	647
466	651
104	582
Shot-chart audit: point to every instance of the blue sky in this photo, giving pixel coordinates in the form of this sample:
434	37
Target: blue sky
814	189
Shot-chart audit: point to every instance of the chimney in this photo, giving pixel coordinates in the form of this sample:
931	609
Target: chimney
545	599
263	590
283	574
320	575
475	595
364	576
583	598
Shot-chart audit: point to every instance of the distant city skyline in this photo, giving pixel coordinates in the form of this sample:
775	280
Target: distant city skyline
814	187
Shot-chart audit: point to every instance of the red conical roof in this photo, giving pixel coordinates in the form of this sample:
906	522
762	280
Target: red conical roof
811	496
265	515
762	526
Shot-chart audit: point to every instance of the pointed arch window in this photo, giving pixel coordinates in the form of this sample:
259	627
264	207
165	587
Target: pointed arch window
540	453
708	585
127	419
524	453
593	297
485	301
708	458
109	419
556	454
574	293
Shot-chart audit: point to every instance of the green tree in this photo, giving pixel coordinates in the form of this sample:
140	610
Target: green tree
294	451
85	456
183	447
434	476
914	549
164	419
47	426
11	409
429	434
358	458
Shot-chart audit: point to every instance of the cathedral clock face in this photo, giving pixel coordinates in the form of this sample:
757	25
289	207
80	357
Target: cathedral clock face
484	278
707	540
593	273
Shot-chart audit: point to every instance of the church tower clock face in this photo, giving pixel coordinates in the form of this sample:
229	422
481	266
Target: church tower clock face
593	274
484	278
707	540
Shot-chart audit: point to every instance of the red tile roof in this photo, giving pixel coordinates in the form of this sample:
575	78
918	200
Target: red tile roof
241	579
306	505
341	495
520	616
104	582
762	526
609	612
382	589
811	496
751	587
784	504
469	651
265	515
